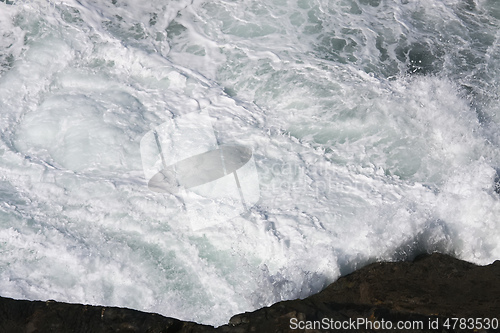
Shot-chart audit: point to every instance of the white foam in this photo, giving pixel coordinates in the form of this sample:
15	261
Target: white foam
357	161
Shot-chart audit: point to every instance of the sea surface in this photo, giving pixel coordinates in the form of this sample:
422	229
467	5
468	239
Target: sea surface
373	125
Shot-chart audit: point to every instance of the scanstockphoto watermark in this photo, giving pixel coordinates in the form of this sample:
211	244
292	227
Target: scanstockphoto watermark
431	323
280	176
355	324
182	157
318	180
41	4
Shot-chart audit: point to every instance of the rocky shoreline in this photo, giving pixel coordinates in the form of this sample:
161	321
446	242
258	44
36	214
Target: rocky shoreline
422	296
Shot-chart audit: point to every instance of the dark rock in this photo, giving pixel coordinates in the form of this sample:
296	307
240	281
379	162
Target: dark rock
428	290
18	316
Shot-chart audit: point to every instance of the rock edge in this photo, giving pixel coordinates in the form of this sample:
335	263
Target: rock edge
431	288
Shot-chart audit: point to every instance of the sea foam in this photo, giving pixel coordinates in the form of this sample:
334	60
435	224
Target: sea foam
373	126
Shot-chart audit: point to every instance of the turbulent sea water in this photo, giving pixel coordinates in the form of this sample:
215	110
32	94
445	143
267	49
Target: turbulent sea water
374	127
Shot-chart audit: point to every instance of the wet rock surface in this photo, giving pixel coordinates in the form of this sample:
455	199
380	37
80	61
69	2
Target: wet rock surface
428	290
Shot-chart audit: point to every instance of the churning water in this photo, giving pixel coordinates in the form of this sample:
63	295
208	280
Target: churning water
373	127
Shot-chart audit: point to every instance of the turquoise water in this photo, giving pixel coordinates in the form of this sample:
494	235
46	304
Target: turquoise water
374	127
